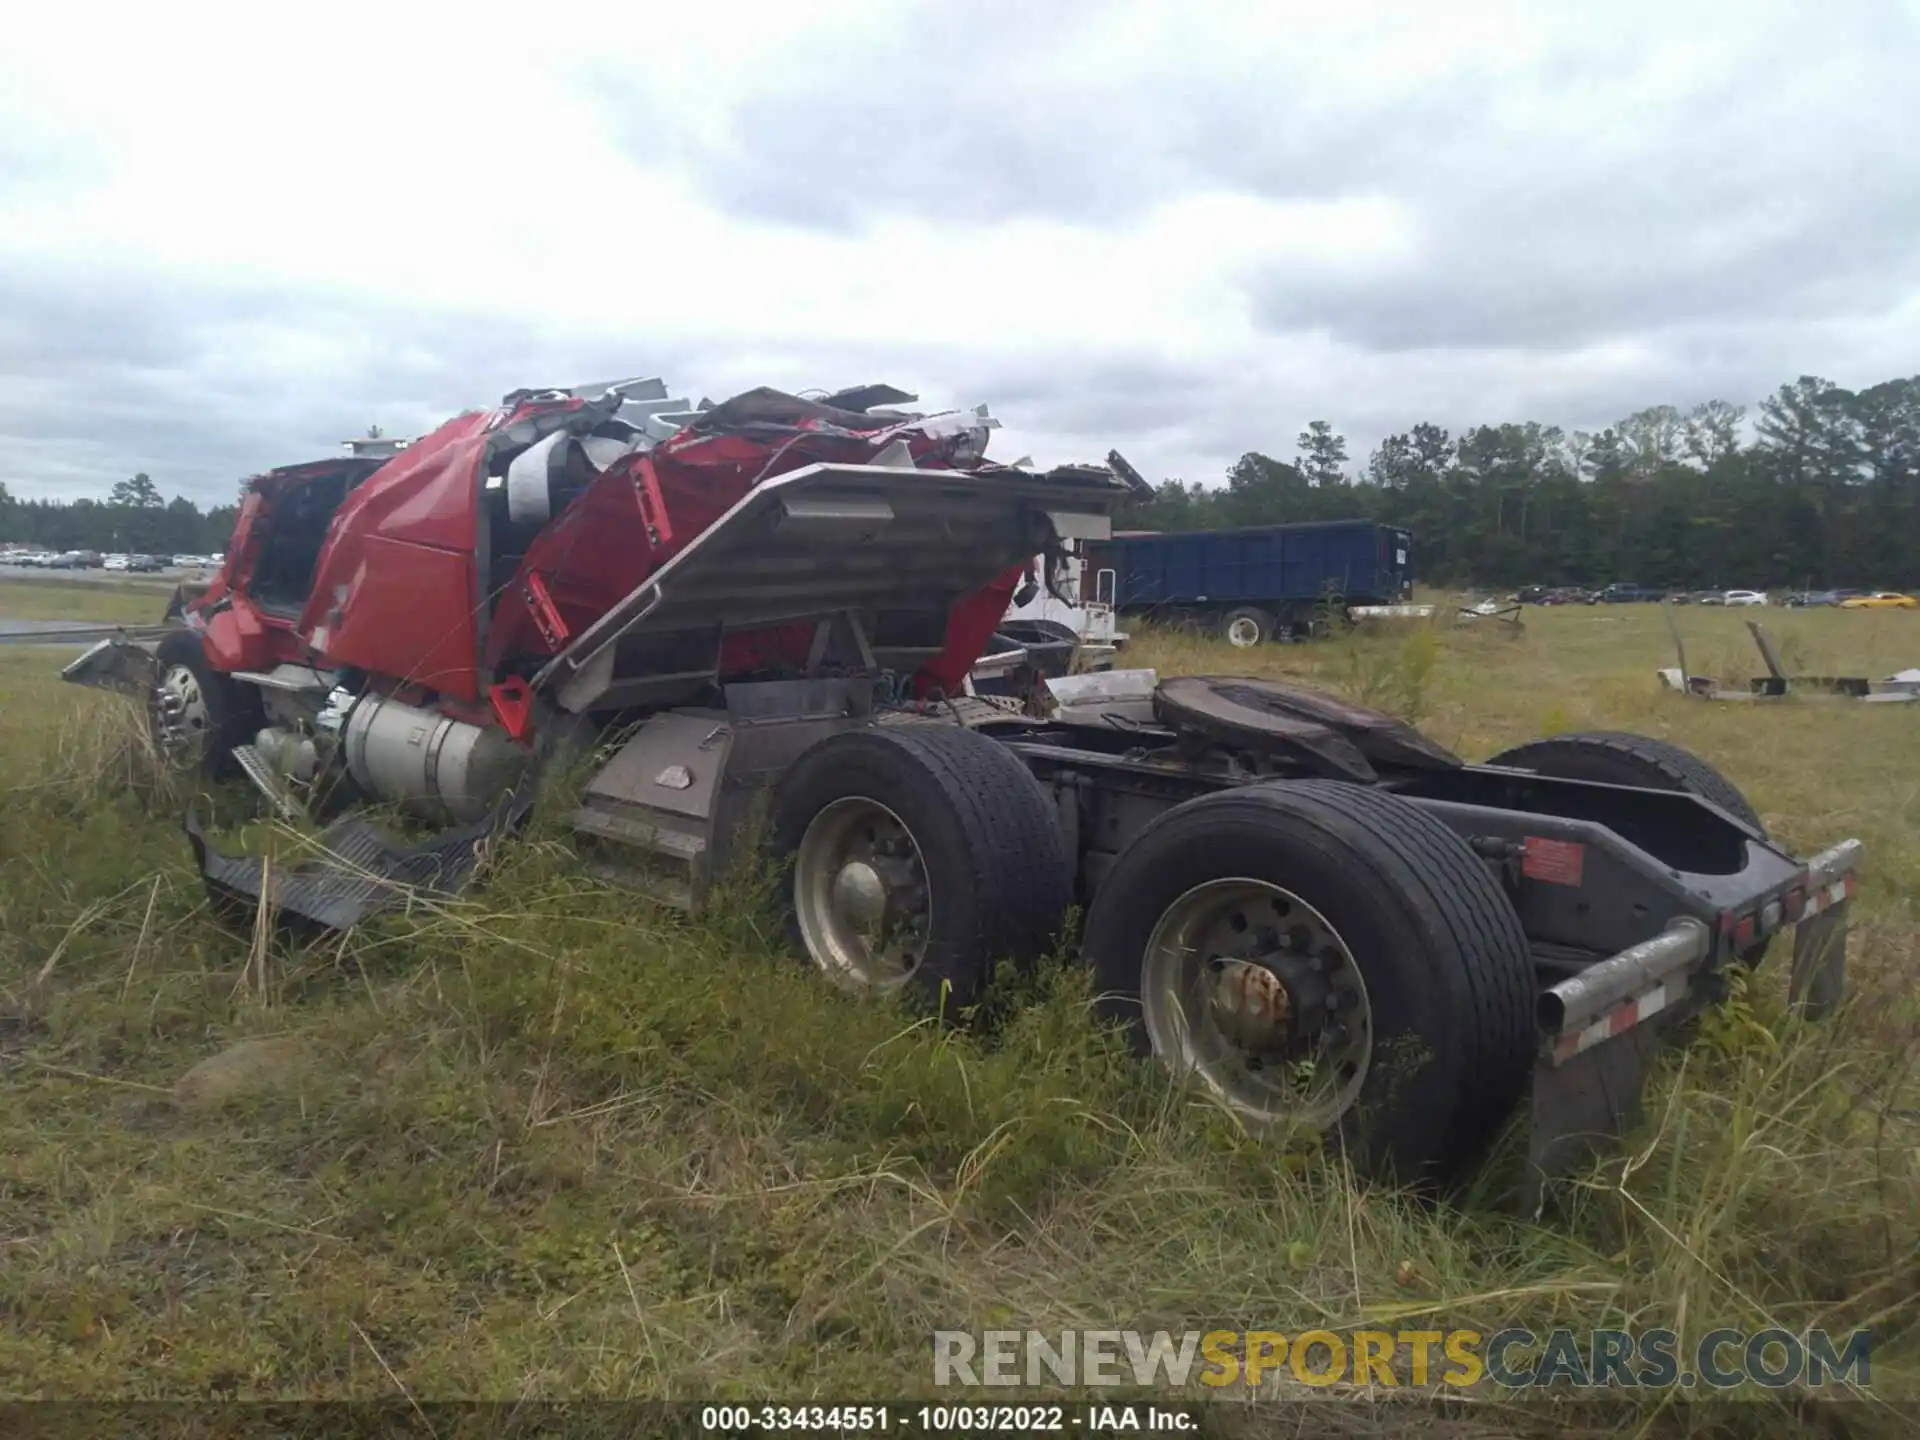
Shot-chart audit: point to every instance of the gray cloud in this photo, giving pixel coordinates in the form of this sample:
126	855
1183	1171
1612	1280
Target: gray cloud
971	112
112	373
116	372
35	162
1649	167
1640	206
993	111
1740	205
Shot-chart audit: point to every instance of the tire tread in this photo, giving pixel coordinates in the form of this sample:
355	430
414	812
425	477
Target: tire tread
1020	871
1496	963
1452	898
1018	874
1685	770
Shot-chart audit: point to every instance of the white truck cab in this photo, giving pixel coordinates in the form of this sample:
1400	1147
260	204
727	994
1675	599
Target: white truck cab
1081	605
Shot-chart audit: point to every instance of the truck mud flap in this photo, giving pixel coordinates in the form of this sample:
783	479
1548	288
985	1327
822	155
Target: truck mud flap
1597	1047
357	874
1819	976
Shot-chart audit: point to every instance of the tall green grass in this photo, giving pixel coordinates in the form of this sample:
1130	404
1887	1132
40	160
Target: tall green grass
547	1141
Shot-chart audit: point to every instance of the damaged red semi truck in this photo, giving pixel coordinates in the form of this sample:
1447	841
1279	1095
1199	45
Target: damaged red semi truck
1307	910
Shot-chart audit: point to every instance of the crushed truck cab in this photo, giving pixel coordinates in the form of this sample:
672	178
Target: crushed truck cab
785	619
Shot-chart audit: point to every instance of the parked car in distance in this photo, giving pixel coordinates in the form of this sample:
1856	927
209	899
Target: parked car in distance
1881	600
1745	597
1802	599
1623	593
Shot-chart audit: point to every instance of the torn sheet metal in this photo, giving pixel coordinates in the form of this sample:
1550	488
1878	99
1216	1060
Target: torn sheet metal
1777	684
1510	615
1117	699
1392	612
119	662
357	872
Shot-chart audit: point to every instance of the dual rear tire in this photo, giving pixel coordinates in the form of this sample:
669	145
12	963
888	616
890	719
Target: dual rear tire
1326	956
1307	953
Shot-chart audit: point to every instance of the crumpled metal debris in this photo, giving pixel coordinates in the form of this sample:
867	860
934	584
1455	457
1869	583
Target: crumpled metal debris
357	871
1777	684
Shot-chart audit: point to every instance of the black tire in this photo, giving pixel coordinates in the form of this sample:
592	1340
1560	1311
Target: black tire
1246	627
995	860
1444	960
1618	757
232	717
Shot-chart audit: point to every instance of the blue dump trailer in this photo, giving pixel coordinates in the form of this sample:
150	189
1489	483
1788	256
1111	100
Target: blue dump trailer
1256	584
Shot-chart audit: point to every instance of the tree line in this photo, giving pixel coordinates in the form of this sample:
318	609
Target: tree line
134	519
1821	489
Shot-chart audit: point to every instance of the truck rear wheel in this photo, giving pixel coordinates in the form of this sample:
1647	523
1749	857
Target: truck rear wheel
1246	627
916	857
1618	757
1326	956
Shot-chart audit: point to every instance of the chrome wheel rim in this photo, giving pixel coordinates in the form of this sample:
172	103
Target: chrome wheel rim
1249	993
861	893
1243	633
180	715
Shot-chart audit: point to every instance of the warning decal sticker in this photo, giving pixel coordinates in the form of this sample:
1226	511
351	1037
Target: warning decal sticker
1553	862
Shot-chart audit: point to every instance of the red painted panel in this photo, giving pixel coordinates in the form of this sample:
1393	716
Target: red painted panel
393	591
408	613
588	559
238	637
970	625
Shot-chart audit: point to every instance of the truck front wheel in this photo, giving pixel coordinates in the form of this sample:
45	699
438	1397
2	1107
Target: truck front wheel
916	856
1327	957
197	714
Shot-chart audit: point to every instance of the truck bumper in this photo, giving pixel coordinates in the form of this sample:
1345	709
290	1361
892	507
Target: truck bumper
353	871
1600	1029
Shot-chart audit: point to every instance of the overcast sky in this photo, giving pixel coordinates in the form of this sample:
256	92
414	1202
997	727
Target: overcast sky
229	238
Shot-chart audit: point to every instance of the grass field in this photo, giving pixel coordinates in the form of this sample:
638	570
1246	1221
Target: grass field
131	601
551	1142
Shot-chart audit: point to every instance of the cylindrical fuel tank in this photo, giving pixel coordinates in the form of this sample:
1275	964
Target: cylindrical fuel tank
429	762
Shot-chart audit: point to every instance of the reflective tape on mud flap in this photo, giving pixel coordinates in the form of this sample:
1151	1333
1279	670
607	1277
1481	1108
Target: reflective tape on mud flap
1828	896
1830	875
1616	1021
1818	982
